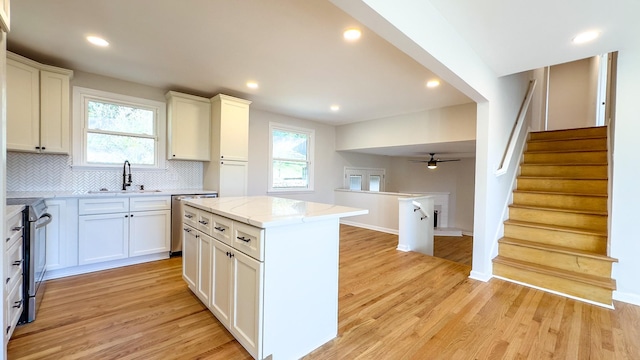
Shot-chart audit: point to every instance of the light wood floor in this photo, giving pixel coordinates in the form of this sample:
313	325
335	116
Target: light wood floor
393	305
454	248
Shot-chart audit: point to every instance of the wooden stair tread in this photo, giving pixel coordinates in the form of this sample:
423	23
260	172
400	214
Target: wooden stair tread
599	281
563	151
559	193
587	137
527	177
556	227
564	164
585	212
557	249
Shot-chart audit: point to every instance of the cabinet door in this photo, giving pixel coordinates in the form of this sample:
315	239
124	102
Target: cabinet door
221	288
102	237
204	270
234	129
189	127
54	112
246	305
23	107
149	232
56	235
233	178
190	257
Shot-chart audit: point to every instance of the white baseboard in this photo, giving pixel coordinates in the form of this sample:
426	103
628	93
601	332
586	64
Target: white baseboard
370	227
629	298
484	277
84	269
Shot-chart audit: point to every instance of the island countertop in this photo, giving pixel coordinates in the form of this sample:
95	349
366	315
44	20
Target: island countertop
268	211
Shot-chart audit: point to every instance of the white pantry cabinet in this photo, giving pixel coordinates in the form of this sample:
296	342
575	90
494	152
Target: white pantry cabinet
189	124
120	227
227	170
37	106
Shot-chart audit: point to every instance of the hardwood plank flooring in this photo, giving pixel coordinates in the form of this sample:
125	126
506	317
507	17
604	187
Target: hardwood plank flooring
454	248
392	305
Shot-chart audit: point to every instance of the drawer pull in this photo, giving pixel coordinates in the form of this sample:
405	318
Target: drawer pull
188	216
8	239
242	238
219	228
17	304
17	263
8	279
187	230
203	222
8	328
17	228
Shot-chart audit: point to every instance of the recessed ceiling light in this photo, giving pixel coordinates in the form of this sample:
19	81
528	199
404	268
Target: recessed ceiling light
433	83
252	84
585	37
98	41
352	34
335	107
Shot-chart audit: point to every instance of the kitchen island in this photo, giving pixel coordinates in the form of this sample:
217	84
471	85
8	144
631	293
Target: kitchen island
267	268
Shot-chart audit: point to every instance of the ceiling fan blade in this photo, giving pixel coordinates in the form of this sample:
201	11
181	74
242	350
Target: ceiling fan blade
448	160
419	161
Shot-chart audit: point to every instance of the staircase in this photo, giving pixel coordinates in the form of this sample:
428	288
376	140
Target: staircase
556	234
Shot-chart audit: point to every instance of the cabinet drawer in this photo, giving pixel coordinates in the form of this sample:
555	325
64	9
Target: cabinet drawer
14	229
205	222
149	203
13	309
248	239
190	216
222	229
13	265
103	205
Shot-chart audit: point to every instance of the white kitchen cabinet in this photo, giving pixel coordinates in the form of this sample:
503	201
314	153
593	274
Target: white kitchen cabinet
37	106
148	232
229	146
110	229
56	235
246	301
221	282
189	124
190	257
203	289
13	262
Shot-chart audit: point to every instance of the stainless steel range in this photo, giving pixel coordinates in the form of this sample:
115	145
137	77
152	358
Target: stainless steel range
35	218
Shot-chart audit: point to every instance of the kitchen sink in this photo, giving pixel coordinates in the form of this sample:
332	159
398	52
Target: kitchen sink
122	191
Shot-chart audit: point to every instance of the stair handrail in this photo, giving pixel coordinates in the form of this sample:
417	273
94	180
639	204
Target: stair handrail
516	130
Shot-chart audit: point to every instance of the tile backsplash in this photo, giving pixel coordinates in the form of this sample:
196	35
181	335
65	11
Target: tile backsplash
47	172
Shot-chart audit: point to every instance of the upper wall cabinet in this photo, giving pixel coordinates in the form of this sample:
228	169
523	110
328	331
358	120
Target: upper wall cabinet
189	124
230	133
37	106
5	15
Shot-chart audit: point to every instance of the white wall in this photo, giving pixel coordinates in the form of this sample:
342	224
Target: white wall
573	94
325	158
626	172
449	124
104	83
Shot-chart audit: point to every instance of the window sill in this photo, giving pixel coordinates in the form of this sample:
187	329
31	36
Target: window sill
290	191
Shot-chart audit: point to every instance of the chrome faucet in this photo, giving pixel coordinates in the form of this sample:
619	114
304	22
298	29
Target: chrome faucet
126	181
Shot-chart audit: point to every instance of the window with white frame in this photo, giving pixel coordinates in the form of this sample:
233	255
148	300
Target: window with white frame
291	158
364	179
110	128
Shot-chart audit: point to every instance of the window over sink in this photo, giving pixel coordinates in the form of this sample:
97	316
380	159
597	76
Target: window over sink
110	128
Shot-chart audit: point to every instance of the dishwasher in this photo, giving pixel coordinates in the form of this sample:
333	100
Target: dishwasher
177	202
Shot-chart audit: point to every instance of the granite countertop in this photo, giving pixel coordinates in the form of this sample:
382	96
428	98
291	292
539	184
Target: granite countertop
12	210
86	194
268	211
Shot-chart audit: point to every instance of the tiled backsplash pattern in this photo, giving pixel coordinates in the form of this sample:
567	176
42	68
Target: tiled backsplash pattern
47	172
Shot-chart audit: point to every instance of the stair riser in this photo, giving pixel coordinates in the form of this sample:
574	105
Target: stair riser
581	221
570	202
570	287
582	144
571	171
586	242
575	263
589	186
597	157
569	134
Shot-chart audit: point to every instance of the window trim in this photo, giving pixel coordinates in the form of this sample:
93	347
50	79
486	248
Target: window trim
79	122
310	157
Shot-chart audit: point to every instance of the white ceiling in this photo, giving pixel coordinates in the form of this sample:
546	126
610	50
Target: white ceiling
295	50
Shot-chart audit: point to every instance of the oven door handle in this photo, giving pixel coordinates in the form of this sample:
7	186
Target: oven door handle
43	224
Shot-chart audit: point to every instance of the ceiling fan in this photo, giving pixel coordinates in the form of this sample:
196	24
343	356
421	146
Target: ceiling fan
433	162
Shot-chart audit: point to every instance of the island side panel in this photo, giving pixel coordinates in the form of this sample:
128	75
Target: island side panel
301	287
